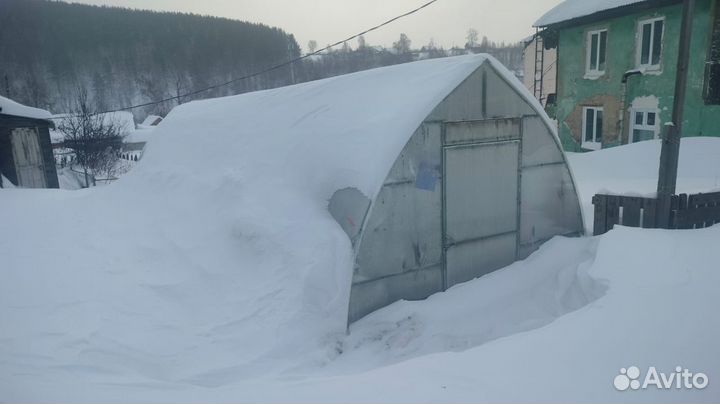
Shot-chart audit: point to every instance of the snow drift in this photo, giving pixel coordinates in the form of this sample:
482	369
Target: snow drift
213	272
217	253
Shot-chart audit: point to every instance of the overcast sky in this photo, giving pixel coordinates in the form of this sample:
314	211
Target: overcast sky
326	21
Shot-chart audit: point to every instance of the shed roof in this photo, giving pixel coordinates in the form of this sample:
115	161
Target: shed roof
571	9
10	107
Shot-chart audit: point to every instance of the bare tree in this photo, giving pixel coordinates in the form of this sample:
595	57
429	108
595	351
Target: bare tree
362	44
95	139
472	38
312	46
402	46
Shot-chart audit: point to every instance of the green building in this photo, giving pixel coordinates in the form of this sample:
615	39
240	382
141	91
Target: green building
617	61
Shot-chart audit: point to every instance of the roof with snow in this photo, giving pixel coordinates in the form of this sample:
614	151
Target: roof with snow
344	131
10	107
573	9
152	120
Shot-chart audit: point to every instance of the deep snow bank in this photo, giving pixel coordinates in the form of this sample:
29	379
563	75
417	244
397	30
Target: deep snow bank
215	259
556	327
633	169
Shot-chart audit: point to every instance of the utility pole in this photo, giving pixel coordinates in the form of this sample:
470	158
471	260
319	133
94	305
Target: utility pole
667	175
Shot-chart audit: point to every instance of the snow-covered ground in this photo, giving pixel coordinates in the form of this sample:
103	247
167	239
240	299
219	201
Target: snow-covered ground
633	170
146	301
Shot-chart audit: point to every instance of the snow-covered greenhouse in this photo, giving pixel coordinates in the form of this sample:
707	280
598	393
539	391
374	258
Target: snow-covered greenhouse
437	171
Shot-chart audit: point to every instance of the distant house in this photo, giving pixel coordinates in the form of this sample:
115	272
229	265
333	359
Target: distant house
26	155
617	64
134	143
150	120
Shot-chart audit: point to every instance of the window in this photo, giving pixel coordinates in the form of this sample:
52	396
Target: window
592	128
712	65
650	36
644	124
596	50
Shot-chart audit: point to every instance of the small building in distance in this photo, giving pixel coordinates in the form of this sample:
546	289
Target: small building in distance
26	154
150	121
134	143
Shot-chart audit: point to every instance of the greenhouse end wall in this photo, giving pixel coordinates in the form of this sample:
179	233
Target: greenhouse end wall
480	184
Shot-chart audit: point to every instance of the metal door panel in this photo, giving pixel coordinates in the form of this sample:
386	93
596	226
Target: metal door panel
481	208
28	158
481	190
476	258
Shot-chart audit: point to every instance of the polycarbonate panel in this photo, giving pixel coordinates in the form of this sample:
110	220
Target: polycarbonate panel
481	190
369	296
464	103
549	204
404	229
473	259
422	150
480	131
403	232
502	99
538	147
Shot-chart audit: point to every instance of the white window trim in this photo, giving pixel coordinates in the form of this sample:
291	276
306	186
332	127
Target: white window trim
594	144
634	126
589	72
638	44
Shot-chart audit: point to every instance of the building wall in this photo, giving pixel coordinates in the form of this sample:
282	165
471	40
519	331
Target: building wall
549	70
576	91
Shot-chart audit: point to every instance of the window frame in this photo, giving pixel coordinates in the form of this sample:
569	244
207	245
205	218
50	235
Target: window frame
711	80
594	144
644	126
639	43
589	71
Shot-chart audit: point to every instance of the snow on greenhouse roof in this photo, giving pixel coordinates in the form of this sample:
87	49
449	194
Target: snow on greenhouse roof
571	9
345	131
10	107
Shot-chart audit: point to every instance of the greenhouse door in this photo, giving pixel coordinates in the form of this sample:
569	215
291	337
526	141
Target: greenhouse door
28	158
480	208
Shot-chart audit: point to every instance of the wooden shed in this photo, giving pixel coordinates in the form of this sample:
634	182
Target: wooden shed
26	156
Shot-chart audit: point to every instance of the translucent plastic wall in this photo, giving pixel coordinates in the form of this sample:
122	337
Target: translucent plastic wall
481	184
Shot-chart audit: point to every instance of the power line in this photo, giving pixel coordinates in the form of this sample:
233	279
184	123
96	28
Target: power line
271	68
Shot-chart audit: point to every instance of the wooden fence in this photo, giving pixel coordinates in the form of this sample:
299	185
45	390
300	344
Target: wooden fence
686	211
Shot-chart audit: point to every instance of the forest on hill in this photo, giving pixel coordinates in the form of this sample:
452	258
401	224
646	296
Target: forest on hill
51	50
123	56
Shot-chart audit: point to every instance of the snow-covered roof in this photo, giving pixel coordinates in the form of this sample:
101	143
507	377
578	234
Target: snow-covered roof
10	107
344	131
571	9
152	120
141	135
